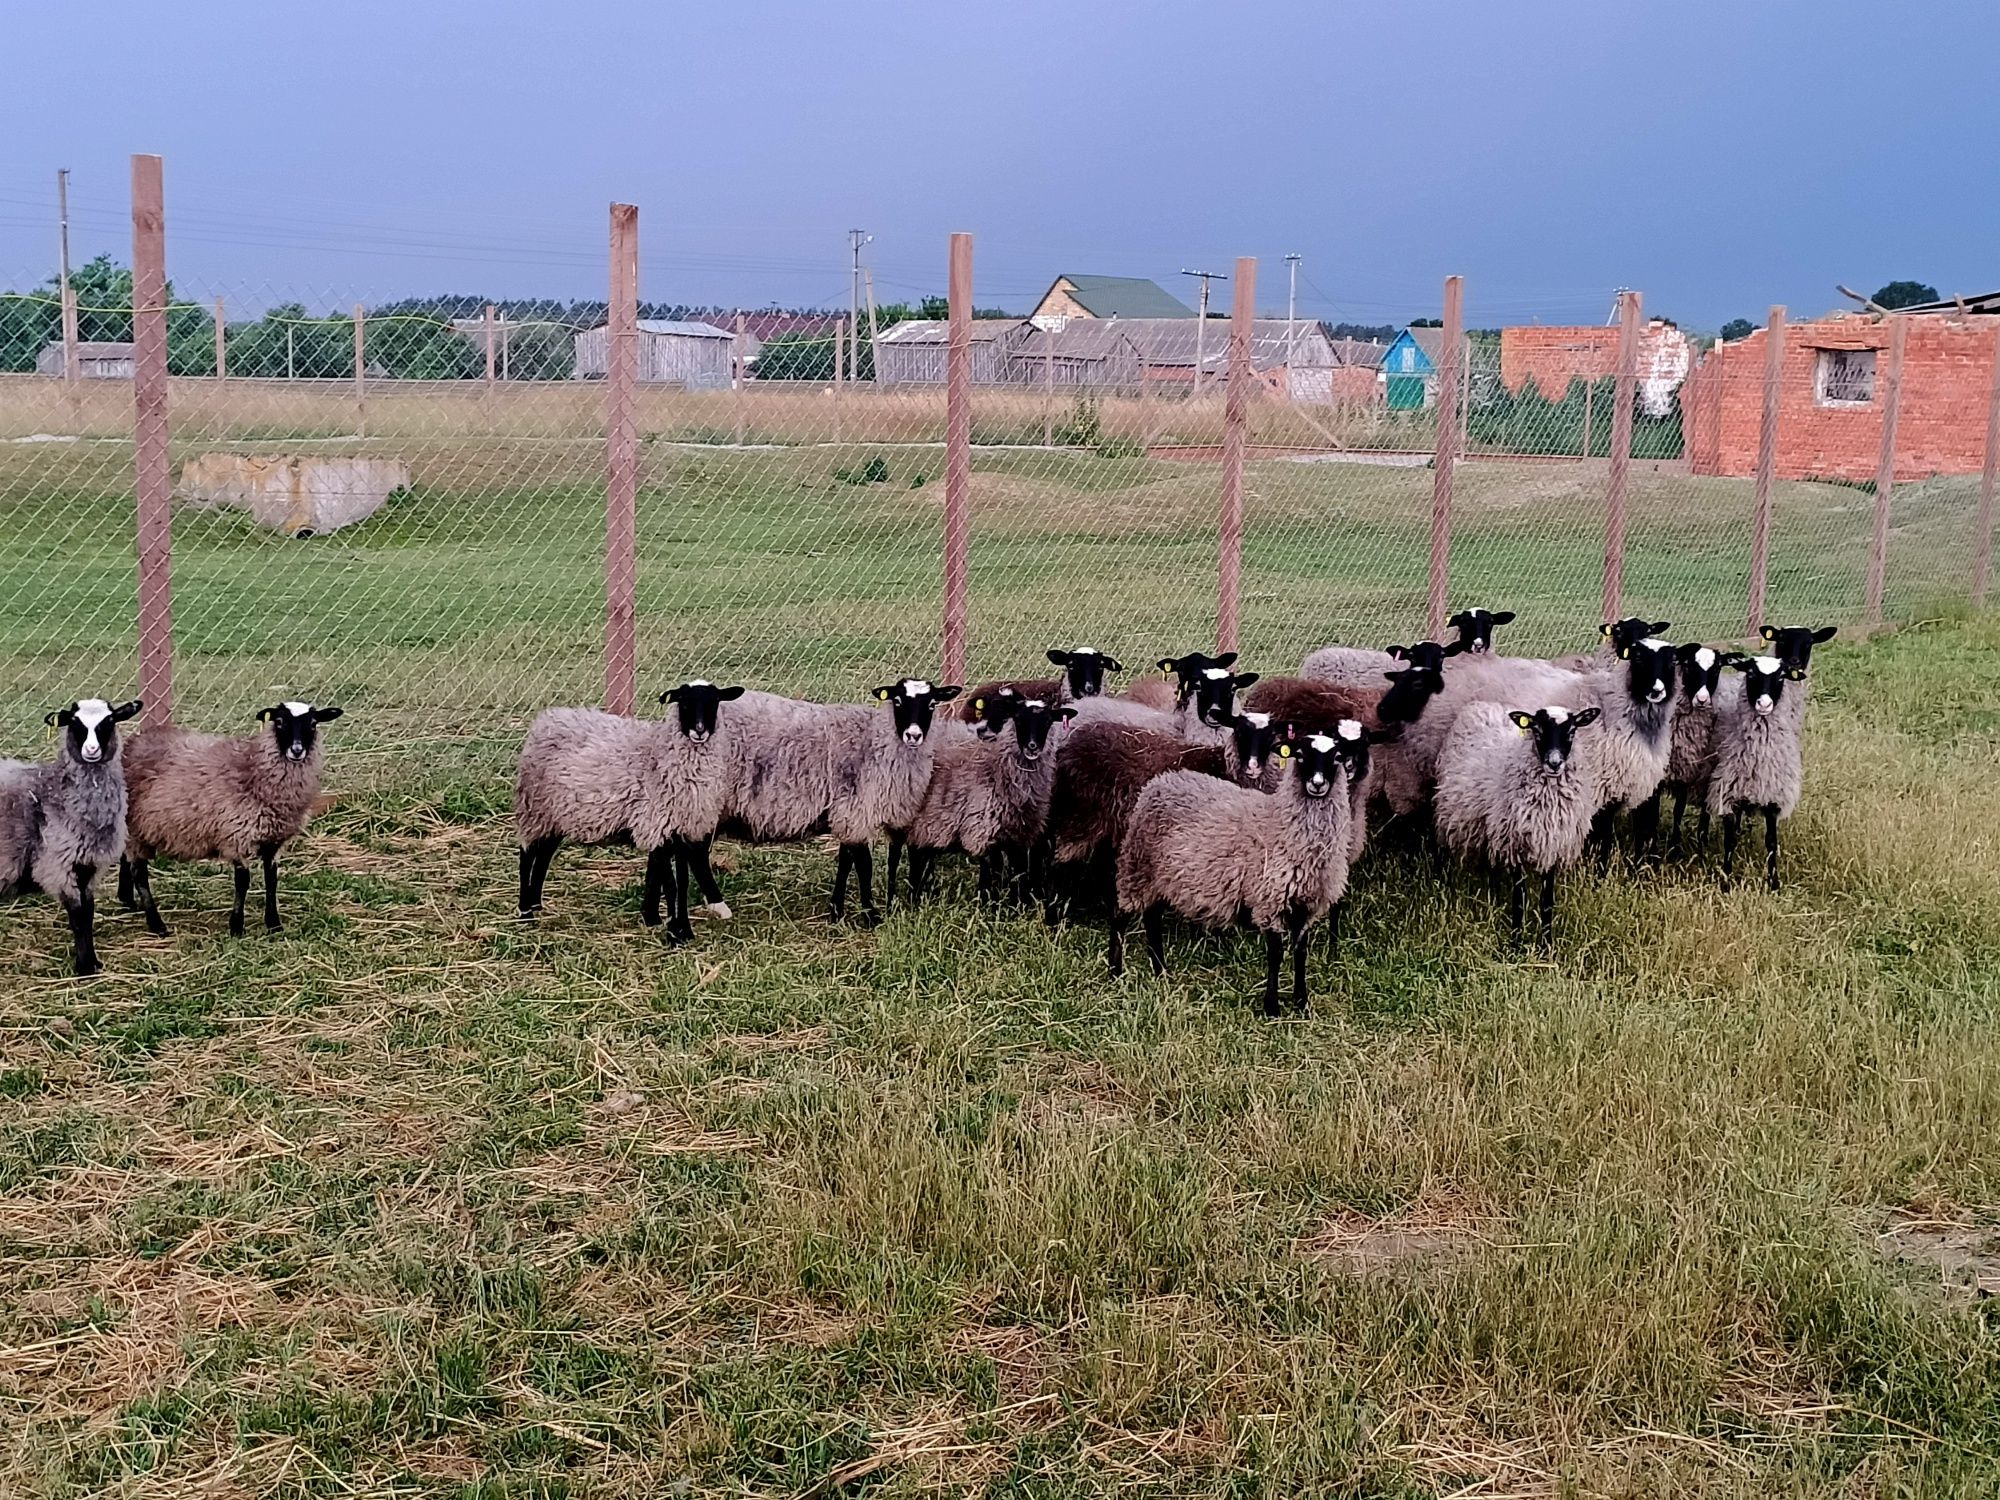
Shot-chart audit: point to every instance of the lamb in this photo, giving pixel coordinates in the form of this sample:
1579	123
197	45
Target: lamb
1083	669
1759	757
205	796
989	799
1691	757
1511	791
1214	852
62	822
597	778
1793	644
849	769
1475	628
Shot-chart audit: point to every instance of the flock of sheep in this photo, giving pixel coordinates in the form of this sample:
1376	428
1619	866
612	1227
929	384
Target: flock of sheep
1215	794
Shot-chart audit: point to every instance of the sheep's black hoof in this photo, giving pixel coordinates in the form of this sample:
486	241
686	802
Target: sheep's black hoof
273	925
870	917
236	927
89	969
156	927
679	933
650	918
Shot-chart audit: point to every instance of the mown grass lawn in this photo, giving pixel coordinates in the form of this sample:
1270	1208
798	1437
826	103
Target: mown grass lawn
412	1200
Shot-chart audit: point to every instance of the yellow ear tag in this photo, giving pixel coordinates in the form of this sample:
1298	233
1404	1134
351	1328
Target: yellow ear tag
979	705
881	695
1605	631
1284	752
1166	674
1624	653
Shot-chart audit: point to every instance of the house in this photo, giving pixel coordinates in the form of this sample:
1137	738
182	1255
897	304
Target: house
1106	297
695	356
1553	357
1295	359
1410	365
93	361
1355	379
1830	396
913	352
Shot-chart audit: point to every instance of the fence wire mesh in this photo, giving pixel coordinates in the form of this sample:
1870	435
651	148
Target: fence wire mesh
400	506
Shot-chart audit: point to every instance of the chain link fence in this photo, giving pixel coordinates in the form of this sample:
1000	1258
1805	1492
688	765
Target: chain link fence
401	507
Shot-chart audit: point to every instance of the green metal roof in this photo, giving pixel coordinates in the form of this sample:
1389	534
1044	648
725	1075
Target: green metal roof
1126	297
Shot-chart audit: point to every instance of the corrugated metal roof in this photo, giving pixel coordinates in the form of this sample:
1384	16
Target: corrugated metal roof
1985	303
1171	341
938	330
1125	297
684	330
1358	354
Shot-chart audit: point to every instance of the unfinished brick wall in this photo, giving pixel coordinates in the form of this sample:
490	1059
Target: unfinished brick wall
1552	357
1948	371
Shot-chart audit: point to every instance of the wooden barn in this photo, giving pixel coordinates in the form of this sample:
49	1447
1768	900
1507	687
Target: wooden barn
695	356
93	361
913	352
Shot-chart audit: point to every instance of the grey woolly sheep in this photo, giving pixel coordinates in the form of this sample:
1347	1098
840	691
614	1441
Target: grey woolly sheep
1704	688
204	796
62	822
1512	791
849	769
659	784
1759	757
1214	852
988	799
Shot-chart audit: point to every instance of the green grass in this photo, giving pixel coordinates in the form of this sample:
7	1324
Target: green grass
413	1200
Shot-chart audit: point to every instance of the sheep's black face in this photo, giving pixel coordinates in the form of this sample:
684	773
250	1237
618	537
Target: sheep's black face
913	701
1186	671
1215	695
1410	689
1650	670
1763	681
1354	744
1032	720
90	728
1630	631
1321	767
1700	670
295	727
990	714
1792	644
1475	628
1428	656
1553	730
1085	667
1256	739
698	706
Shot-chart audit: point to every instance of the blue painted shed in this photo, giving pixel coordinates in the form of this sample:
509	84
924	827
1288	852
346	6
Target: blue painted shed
1410	366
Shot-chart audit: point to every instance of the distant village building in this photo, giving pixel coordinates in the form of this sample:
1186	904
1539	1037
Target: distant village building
1410	367
93	361
1553	357
1105	297
913	352
1295	359
693	355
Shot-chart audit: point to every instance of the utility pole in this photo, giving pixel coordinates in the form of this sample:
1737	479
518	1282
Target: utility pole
856	238
1291	319
68	300
1201	320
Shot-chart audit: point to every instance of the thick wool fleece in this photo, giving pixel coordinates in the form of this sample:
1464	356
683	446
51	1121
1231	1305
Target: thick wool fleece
1404	777
1759	758
1691	758
1213	851
983	795
1351	666
202	796
1629	747
806	768
593	777
56	816
1495	801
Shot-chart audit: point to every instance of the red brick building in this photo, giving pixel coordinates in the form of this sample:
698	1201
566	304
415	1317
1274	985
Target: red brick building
1832	388
1553	357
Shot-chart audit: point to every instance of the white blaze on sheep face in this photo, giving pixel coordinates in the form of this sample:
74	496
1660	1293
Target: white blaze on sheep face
91	715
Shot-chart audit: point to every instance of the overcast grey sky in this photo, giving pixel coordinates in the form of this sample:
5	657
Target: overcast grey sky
1720	155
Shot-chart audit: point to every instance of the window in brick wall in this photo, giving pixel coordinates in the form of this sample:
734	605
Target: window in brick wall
1844	377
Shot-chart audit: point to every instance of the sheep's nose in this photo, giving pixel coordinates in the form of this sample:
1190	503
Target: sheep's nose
699	736
913	736
1701	695
91	752
1253	766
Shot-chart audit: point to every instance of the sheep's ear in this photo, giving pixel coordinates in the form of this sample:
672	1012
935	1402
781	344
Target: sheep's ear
263	714
1464	616
1767	632
1504	617
1605	631
670	695
126	711
1060	658
884	694
1113	664
1742	664
946	694
730	694
1285	750
1166	666
1066	714
1797	674
1731	658
1659	627
1825	633
323	714
1227	659
56	716
1455	648
1522	722
1585	716
1624	653
1243	679
1400	653
979	704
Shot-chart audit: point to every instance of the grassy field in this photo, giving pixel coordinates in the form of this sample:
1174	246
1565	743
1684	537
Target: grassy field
409	1200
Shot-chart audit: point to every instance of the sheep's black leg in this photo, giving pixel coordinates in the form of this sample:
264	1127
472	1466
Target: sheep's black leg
920	876
695	851
1771	847
142	885
1603	833
269	854
125	898
1680	807
895	860
1731	822
82	915
535	862
864	875
1023	860
242	873
1548	908
659	868
1517	896
1701	830
1646	833
1296	921
843	862
1333	931
679	928
1274	955
1156	938
1115	956
989	877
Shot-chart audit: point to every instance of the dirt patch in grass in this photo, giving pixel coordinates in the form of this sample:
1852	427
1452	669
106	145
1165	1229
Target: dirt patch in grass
1961	1249
1436	1229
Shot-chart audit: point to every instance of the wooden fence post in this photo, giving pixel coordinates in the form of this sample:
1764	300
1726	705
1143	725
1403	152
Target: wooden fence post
221	343
1439	583
1235	439
1625	391
1048	389
149	440
736	375
492	349
957	455
1982	554
839	355
360	371
1885	474
621	435
1767	464
1589	394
